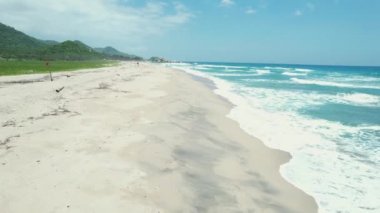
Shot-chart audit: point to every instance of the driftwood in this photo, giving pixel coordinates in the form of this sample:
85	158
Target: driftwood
59	90
51	76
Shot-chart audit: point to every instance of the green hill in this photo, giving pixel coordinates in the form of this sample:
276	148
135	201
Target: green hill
50	42
17	45
70	50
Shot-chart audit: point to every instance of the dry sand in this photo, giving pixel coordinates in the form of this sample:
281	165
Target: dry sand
132	139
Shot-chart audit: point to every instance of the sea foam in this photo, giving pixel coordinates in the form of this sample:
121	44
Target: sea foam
262	72
294	74
303	70
222	66
332	84
360	99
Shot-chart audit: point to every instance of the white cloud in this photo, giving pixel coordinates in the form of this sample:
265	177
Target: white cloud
250	11
298	13
99	22
227	2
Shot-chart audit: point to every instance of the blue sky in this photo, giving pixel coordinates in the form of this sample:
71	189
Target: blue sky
273	31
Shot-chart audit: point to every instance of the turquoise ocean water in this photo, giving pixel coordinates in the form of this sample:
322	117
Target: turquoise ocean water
327	117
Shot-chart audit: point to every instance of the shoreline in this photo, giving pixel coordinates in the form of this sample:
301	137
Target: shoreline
212	86
166	145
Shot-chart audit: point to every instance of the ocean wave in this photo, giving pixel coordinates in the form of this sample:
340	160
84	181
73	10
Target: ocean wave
262	72
277	68
294	74
303	70
331	84
231	70
359	98
233	74
255	80
221	66
291	99
307	140
202	68
358	79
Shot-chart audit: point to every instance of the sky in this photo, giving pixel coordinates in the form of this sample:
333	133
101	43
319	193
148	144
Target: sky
335	32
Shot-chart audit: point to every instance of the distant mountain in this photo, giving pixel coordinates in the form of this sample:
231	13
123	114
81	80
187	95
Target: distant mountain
17	45
110	51
156	59
116	54
70	50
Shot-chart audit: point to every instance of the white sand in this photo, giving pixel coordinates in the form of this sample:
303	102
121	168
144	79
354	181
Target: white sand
132	139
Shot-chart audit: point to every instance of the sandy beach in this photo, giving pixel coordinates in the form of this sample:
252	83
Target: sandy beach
132	139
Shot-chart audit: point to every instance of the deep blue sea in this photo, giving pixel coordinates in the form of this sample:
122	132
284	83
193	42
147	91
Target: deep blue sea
327	117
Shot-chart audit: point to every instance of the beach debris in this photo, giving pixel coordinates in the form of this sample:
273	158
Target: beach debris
59	90
47	66
9	123
56	112
27	81
103	85
61	110
7	141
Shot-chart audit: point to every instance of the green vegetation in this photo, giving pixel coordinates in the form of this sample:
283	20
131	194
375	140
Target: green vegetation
17	45
18	67
70	50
